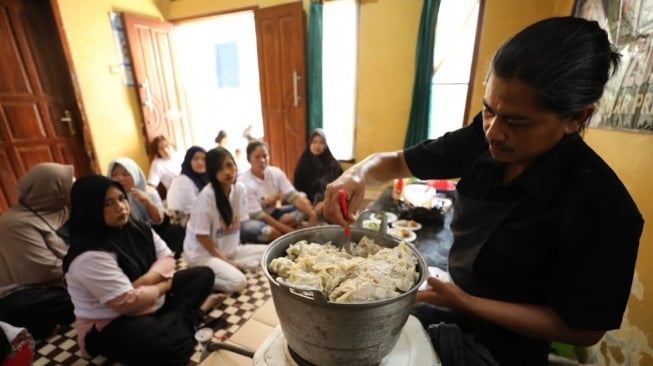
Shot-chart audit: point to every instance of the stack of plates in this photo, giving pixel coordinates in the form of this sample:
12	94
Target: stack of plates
405	229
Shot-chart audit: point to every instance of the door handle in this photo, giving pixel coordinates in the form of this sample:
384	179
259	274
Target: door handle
68	120
295	79
148	94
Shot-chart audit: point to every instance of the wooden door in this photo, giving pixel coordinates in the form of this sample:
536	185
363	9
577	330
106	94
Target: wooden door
40	118
280	37
151	47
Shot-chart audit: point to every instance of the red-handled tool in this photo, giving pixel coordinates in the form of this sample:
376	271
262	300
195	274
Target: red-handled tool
345	211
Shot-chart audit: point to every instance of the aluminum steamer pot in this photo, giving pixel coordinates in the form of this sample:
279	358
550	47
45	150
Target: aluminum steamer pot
327	333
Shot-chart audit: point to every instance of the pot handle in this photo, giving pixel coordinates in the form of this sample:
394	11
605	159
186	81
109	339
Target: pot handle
307	292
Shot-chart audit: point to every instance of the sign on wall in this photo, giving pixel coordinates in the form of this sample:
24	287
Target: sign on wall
627	102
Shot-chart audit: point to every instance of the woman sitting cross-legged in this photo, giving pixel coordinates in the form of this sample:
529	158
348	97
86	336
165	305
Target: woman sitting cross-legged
213	231
267	186
130	304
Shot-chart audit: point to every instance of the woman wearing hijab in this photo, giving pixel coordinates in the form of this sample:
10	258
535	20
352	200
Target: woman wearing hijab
32	292
316	168
146	204
185	188
130	304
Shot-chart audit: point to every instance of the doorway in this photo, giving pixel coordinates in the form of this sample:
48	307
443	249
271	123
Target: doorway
280	45
218	65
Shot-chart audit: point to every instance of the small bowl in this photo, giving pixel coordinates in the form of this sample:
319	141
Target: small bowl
372	224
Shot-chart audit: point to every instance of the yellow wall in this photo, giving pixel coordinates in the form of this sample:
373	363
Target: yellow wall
111	108
387	38
388	33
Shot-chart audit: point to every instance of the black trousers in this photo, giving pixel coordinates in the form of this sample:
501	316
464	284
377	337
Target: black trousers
166	337
172	234
39	309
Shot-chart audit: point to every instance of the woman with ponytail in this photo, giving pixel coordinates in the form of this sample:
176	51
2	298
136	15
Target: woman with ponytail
213	231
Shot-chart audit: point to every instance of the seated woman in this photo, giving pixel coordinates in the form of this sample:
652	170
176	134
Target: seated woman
145	202
165	165
32	292
213	231
185	188
130	304
316	168
267	186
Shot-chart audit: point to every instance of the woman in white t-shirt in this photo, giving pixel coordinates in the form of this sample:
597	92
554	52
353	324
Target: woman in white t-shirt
268	188
165	165
130	304
185	188
213	231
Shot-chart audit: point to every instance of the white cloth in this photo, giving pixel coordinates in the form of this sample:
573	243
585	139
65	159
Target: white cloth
274	182
182	194
94	278
10	331
205	219
163	171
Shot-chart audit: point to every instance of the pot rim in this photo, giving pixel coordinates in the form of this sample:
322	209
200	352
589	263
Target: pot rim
300	234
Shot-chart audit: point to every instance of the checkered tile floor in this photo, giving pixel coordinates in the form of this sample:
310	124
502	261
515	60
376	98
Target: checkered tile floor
62	349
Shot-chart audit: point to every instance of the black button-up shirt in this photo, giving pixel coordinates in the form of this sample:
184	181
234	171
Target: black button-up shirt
571	240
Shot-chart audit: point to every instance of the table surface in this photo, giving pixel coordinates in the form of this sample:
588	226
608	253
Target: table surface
433	241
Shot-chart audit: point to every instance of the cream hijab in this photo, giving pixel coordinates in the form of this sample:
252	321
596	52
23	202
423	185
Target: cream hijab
46	189
134	170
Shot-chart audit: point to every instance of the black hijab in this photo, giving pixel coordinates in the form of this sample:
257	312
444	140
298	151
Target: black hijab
132	243
314	172
200	179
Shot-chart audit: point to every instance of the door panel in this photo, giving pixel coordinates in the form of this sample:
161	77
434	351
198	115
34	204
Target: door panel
150	46
280	37
8	181
39	112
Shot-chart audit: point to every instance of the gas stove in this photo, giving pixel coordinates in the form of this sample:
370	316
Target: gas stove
412	349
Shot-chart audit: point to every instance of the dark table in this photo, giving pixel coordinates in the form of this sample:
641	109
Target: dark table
433	241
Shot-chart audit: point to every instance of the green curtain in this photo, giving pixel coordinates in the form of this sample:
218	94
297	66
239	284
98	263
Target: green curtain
314	80
418	123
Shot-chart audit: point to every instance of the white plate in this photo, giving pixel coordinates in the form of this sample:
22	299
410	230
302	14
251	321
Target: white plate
407	224
403	234
389	217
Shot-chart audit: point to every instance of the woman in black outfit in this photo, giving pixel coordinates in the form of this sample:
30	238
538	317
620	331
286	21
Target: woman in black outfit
316	168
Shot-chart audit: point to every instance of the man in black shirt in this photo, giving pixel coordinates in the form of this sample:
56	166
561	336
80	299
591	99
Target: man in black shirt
539	216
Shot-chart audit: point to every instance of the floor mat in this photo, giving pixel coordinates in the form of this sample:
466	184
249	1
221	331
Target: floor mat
227	318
